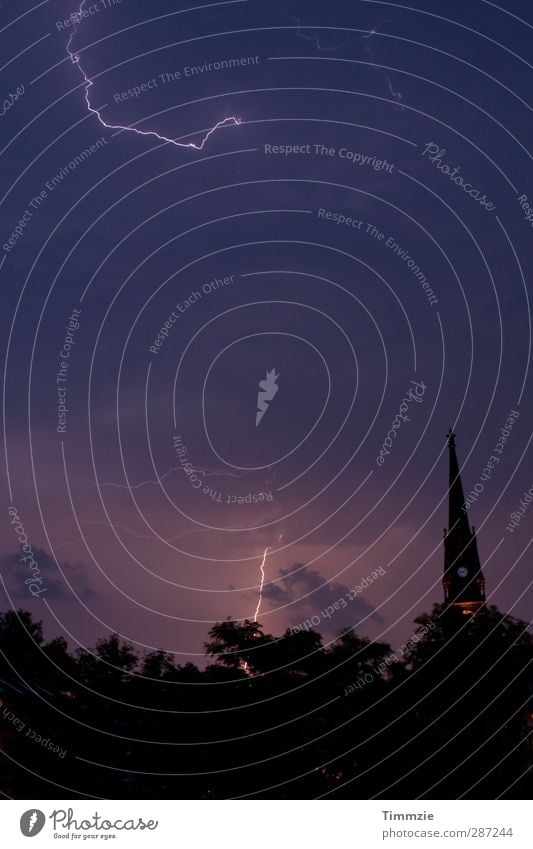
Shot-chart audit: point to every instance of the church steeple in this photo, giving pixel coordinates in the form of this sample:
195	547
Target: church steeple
463	582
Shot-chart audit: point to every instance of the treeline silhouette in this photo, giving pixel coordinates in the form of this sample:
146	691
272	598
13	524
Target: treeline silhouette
270	717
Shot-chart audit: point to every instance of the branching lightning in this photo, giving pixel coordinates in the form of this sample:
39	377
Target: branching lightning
396	95
374	31
88	83
207	473
316	39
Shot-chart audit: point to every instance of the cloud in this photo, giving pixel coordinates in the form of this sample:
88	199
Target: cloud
308	593
15	572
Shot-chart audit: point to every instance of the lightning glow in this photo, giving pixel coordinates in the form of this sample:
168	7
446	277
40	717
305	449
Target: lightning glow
88	83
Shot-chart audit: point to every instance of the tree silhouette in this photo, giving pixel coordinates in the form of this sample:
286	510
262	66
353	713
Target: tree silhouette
271	717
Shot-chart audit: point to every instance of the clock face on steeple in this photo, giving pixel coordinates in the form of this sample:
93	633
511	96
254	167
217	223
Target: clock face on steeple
462	571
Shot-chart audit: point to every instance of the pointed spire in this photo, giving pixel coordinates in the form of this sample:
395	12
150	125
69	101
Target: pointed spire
457	518
463	578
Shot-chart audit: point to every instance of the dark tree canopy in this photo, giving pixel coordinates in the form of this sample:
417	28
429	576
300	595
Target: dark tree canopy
272	717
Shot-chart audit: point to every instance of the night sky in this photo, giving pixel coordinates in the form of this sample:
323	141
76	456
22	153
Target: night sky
358	224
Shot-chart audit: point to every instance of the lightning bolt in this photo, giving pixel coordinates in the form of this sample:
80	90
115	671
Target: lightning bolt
33	820
262	583
88	83
245	666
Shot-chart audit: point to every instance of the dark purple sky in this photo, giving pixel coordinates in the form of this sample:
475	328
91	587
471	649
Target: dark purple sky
411	123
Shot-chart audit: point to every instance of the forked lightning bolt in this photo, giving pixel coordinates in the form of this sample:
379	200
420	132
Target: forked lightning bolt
88	83
33	820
